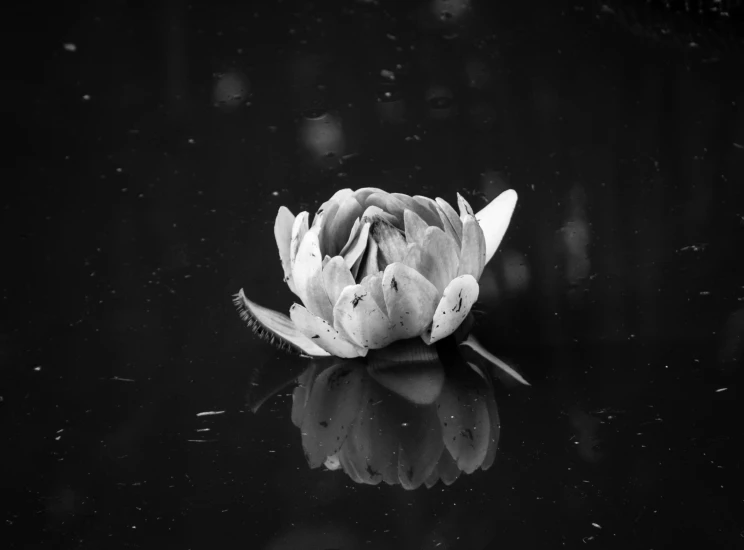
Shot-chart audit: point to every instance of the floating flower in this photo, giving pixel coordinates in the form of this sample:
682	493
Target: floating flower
377	267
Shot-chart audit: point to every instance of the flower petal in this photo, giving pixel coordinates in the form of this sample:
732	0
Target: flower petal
415	227
390	240
453	308
277	324
494	220
336	277
368	264
410	298
453	219
374	284
464	206
283	235
473	252
465	423
362	193
307	274
333	404
429	216
439	259
340	229
325	237
493	361
299	228
323	334
357	315
353	251
431	211
389	204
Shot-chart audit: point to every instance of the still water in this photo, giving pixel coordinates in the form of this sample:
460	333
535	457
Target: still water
154	149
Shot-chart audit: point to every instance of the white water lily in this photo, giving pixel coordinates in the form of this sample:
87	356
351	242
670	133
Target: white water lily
377	267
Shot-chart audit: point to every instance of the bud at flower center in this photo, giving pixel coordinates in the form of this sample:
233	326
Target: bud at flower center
391	242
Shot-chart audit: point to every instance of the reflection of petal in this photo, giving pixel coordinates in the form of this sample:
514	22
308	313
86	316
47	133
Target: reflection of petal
446	470
493	361
420	447
372	445
301	393
494	421
419	383
464	416
332	407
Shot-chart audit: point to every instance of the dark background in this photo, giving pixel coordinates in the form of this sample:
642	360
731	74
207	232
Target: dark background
139	199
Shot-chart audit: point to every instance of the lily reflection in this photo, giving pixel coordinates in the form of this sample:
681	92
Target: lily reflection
408	415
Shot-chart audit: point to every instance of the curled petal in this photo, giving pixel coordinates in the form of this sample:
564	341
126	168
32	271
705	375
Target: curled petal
494	220
336	277
276	324
429	217
353	251
430	212
374	284
357	315
439	259
453	308
415	227
299	228
388	203
325	237
340	229
368	264
307	274
464	206
451	217
322	333
473	252
410	299
283	235
364	192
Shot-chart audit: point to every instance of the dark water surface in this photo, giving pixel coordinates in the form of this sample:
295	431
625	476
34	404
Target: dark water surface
153	147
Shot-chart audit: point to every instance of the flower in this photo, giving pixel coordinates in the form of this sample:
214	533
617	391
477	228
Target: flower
377	267
352	419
